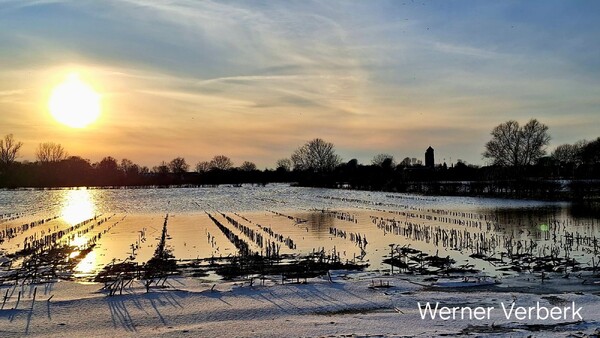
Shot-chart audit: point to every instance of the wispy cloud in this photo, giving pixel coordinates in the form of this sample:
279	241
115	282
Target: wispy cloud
257	79
11	92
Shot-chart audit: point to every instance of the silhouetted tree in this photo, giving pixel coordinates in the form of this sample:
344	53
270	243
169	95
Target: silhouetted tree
352	164
50	152
131	170
178	166
512	145
75	171
405	162
108	171
568	153
461	163
127	165
9	150
248	166
284	164
383	160
316	155
590	152
221	162
108	164
202	167
161	173
161	169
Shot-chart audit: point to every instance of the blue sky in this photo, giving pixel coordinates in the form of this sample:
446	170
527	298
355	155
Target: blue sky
255	79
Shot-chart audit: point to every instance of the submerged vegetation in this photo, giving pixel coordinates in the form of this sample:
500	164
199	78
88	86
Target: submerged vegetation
53	256
162	264
391	233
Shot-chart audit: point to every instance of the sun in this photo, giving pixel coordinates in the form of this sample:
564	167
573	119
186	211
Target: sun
74	103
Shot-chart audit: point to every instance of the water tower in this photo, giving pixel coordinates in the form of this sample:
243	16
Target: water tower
429	158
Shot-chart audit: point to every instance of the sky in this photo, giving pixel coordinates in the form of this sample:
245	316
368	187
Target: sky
254	80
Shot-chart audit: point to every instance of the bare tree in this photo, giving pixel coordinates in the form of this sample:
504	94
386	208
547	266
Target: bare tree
284	164
108	166
178	166
512	145
505	144
248	166
384	160
221	162
161	169
590	152
50	152
129	168
202	166
406	162
316	155
566	153
535	139
126	164
9	149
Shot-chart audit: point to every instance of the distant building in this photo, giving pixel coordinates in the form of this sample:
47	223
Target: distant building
429	158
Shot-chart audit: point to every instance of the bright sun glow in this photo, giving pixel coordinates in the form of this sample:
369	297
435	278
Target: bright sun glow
74	103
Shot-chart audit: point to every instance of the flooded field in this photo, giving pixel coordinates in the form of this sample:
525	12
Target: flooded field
411	233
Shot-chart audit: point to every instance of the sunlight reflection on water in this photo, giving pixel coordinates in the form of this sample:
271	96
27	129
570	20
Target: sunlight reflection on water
194	235
88	264
79	241
77	206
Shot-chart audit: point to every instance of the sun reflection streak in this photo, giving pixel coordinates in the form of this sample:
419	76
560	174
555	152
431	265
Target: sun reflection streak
78	206
88	264
79	241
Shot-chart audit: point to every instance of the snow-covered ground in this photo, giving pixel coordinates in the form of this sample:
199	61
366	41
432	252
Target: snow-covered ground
346	307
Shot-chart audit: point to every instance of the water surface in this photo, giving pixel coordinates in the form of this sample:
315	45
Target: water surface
356	225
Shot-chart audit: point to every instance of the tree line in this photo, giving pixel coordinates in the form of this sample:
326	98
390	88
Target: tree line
518	165
54	167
